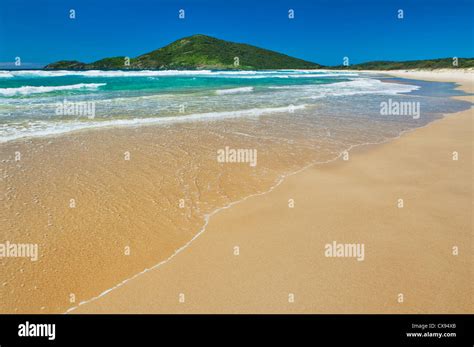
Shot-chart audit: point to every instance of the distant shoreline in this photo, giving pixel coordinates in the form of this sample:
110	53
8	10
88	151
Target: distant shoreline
465	70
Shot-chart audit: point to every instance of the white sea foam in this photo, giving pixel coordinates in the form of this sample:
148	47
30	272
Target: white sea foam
101	73
364	86
6	74
234	90
151	73
47	128
26	90
348	88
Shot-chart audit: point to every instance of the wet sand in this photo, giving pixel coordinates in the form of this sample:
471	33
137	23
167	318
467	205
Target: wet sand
104	205
281	264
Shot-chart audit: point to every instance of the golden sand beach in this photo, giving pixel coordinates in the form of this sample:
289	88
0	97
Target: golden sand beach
105	205
409	265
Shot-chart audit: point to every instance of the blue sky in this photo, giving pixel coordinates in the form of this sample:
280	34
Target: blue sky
323	31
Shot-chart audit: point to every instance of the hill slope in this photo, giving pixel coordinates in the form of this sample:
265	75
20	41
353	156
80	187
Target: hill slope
197	52
428	64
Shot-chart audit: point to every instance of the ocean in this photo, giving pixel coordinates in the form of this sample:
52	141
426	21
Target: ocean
37	103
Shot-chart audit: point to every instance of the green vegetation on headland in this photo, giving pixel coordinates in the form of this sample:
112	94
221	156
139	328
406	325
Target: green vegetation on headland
204	52
196	52
428	64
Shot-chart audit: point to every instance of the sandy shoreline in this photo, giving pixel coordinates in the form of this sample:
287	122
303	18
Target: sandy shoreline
100	218
281	257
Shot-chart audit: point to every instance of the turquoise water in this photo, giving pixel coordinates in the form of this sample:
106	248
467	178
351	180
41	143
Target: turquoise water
40	103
